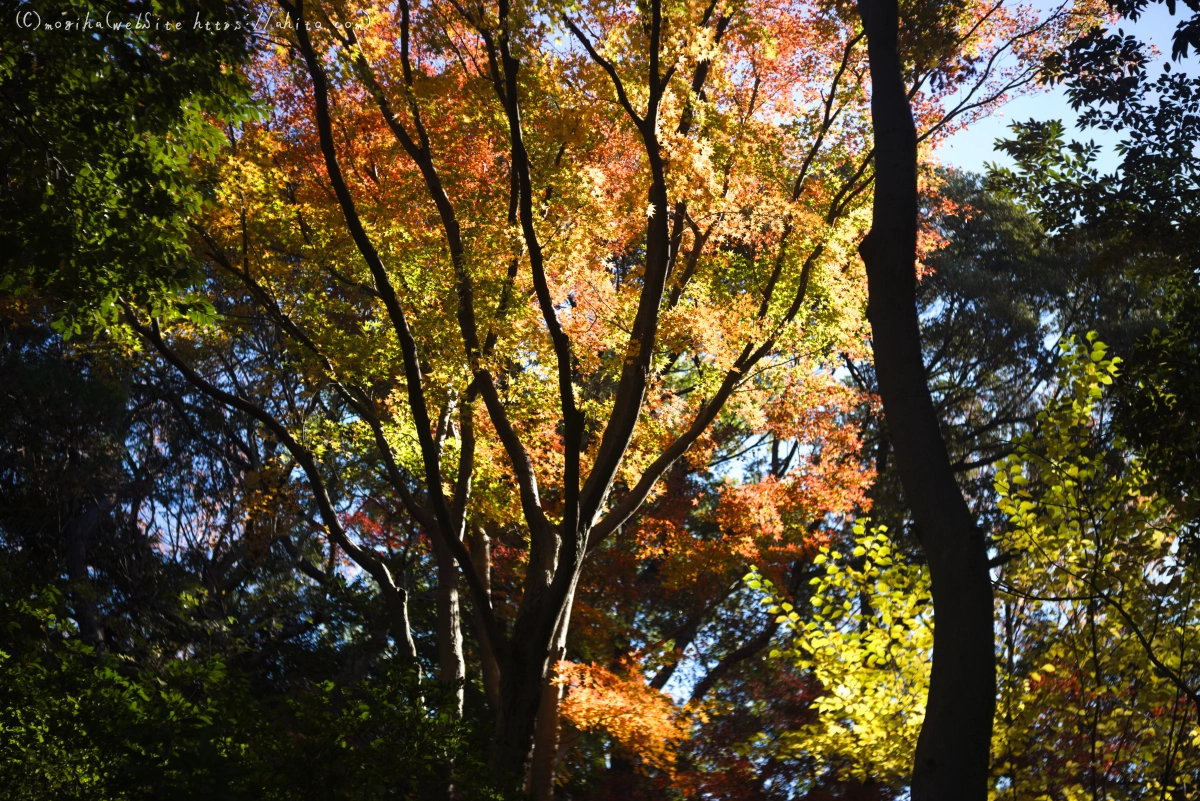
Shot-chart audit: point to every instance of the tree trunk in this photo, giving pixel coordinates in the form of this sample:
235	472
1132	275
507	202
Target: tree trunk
481	560
520	697
83	595
545	744
953	751
523	677
451	665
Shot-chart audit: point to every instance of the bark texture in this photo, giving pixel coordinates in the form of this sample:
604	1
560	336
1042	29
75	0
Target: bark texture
546	737
481	558
953	751
452	668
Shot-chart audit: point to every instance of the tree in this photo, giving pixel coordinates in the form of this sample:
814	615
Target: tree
195	729
420	258
1097	631
1118	472
867	643
953	752
192	640
480	141
1139	220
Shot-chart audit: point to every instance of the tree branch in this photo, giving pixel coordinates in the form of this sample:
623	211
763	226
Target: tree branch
374	566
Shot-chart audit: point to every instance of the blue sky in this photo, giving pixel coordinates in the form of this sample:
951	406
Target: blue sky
972	148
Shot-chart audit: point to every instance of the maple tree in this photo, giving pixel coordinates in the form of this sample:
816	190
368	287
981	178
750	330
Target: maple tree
723	218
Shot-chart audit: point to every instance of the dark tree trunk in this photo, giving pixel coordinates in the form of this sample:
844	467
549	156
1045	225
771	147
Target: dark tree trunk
953	752
545	745
523	677
520	696
83	595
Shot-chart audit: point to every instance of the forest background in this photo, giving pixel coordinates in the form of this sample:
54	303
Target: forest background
445	400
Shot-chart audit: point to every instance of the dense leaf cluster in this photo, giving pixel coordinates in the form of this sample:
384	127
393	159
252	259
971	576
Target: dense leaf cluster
104	113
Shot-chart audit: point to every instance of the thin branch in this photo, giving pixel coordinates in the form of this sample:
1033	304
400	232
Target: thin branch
607	66
378	570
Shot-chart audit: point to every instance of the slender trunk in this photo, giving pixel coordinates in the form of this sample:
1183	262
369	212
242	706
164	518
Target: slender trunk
83	595
481	559
401	629
451	666
545	744
954	748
